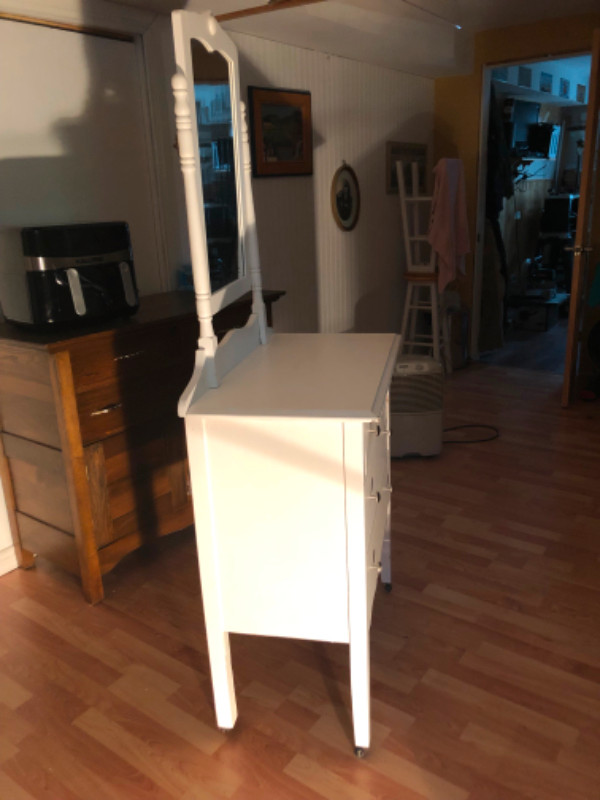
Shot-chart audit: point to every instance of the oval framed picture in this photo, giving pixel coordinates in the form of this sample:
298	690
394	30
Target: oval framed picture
345	198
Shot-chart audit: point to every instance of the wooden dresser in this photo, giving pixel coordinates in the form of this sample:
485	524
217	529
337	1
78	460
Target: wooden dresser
93	457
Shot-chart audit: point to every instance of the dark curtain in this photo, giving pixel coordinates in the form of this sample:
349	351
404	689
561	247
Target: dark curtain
495	268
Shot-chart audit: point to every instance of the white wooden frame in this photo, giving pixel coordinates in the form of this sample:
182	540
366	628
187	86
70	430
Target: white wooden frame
213	363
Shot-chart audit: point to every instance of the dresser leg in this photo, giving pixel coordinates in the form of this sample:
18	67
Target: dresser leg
360	688
222	677
386	556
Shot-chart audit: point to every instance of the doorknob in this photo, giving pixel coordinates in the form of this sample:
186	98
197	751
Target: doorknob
578	251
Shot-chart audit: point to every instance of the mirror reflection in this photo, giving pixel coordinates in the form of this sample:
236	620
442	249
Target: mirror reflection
217	164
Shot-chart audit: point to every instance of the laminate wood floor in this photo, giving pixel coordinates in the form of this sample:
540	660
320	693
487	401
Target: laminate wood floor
535	350
485	656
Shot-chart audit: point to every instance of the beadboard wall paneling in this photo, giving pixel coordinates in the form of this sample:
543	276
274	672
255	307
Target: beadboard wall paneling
335	280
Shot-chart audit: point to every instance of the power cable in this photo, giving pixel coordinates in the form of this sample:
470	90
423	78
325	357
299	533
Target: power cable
495	434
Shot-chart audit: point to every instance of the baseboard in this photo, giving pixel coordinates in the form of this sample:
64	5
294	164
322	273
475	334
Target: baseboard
8	560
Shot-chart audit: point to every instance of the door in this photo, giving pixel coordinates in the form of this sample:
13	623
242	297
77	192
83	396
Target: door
586	249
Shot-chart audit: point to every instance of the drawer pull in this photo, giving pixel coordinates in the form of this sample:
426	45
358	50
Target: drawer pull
377	495
106	410
125	356
378	430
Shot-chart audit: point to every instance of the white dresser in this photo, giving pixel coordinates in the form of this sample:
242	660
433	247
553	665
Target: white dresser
287	434
290	466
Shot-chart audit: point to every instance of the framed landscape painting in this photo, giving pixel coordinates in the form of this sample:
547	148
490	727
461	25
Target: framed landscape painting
280	132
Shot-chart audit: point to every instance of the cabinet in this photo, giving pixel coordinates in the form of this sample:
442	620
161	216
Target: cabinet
290	465
93	457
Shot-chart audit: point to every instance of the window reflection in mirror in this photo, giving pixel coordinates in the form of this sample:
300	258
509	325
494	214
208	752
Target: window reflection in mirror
217	164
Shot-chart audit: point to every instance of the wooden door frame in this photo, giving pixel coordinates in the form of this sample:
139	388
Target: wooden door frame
589	171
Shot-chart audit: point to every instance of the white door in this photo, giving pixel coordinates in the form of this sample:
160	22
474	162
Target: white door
74	144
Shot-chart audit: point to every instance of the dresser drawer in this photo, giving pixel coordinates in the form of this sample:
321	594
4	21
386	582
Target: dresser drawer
373	555
113	407
376	533
131	353
377	468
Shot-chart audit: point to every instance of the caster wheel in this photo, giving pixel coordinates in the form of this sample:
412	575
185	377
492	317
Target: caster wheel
360	752
387	587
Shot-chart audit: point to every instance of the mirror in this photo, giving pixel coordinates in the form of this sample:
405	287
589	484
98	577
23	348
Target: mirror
213	152
217	164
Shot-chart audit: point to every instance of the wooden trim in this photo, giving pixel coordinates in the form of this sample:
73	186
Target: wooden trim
77	476
96	476
66	26
283	5
24	557
590	176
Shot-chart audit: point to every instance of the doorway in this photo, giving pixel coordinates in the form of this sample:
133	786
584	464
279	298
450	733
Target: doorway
533	129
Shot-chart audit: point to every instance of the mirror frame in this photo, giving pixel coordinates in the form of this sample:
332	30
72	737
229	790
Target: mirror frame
188	26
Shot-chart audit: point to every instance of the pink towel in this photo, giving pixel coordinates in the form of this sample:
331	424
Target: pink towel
448	230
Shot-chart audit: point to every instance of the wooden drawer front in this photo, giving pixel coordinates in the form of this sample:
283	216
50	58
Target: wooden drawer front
39	482
130	354
109	409
147	485
51	543
26	395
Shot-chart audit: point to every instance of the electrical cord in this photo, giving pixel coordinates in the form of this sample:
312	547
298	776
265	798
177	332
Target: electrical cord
495	434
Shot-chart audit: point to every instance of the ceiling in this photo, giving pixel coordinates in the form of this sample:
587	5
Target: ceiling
418	36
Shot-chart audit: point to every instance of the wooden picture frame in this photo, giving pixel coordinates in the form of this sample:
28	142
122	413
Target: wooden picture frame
280	132
345	198
408	152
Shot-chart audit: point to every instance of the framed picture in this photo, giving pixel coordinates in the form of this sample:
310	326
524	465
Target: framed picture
580	93
408	153
564	86
545	82
345	198
280	132
524	77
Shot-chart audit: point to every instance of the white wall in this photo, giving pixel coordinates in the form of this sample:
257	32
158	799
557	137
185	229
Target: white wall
575	70
74	137
336	280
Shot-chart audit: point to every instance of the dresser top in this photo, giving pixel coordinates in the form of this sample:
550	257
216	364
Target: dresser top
343	375
154	309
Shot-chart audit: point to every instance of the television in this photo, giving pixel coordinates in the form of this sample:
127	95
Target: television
521	114
542	140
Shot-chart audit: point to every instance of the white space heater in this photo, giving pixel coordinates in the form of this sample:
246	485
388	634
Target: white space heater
416	406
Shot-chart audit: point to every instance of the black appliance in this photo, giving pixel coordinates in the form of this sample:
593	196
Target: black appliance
63	274
560	214
542	140
518	116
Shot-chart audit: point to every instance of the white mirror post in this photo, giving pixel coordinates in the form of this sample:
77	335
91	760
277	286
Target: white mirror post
212	361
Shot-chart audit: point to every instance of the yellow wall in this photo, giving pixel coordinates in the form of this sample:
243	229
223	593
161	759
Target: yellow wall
458	99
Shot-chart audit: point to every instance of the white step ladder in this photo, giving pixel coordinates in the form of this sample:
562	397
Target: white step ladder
422	295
